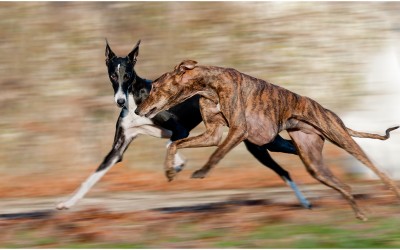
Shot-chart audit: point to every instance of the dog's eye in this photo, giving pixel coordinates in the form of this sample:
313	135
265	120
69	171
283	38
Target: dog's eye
114	76
127	77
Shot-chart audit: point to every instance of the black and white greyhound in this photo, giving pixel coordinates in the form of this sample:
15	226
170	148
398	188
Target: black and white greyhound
176	123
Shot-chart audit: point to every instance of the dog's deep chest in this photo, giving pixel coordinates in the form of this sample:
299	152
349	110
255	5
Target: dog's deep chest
130	119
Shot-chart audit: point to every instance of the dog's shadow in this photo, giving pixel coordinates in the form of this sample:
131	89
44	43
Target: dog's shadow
221	206
41	214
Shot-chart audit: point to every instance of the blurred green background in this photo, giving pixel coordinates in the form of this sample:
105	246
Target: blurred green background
56	102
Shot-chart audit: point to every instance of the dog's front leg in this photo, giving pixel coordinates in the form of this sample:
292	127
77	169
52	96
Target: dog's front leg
211	137
234	137
233	112
213	121
123	138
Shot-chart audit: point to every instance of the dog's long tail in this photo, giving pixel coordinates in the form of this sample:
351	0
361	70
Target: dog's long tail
371	136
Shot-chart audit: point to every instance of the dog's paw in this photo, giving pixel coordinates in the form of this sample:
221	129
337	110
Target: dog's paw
62	206
200	174
179	168
170	174
361	216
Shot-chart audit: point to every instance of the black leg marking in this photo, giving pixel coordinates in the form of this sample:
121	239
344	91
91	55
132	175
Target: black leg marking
121	143
262	155
281	145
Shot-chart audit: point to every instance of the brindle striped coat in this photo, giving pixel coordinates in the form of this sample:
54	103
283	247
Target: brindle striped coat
256	110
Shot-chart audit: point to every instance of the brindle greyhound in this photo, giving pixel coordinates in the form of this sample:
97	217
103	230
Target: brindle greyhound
257	111
129	91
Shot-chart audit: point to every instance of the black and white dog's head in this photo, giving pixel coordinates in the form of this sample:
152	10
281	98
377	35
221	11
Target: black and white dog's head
121	73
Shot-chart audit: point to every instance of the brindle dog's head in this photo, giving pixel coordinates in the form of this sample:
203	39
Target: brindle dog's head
121	73
169	90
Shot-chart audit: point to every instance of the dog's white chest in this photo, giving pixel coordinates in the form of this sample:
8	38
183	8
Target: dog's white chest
130	119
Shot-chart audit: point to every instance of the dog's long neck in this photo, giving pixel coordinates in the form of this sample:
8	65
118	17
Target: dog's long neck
204	84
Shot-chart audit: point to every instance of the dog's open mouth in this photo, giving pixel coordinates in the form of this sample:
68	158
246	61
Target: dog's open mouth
151	113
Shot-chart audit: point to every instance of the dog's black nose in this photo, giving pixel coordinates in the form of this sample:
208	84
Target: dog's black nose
121	101
137	110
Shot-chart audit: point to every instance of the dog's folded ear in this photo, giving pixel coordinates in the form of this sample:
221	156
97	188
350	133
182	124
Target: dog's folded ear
134	53
109	53
185	65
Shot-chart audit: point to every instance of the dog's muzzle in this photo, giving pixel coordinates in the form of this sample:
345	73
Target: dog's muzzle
121	102
150	114
138	111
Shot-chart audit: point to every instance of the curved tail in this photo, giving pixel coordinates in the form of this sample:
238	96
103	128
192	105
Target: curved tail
372	136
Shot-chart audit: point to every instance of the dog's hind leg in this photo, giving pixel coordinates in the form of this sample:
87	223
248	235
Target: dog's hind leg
309	146
281	145
346	142
333	128
262	155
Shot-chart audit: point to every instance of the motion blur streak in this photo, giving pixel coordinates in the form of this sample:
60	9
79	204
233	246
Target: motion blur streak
58	116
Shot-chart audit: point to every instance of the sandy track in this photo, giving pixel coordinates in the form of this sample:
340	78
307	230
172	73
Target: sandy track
136	201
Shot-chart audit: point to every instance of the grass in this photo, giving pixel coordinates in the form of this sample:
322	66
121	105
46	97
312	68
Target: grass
386	235
298	236
240	230
104	246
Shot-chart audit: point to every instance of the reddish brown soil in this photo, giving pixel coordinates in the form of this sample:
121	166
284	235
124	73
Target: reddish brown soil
235	224
121	178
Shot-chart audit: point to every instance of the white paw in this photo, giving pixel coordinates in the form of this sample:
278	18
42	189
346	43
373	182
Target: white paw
62	206
179	163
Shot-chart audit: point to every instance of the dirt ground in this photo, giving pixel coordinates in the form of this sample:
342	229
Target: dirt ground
140	209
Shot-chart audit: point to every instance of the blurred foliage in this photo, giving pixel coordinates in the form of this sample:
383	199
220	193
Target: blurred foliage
56	101
250	228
